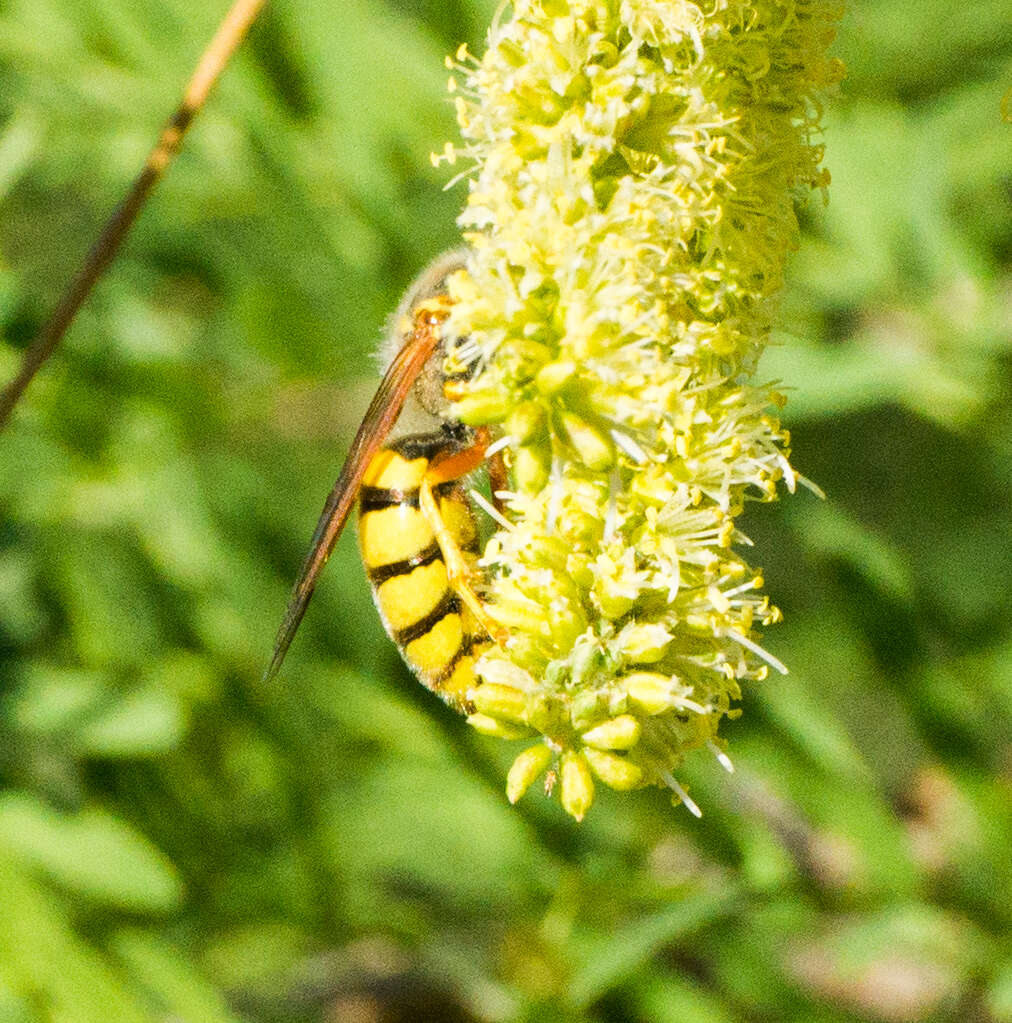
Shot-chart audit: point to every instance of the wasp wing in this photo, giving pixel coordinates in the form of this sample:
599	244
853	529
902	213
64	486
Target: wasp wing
379	419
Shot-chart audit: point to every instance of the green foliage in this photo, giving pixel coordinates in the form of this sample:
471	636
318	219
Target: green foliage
177	842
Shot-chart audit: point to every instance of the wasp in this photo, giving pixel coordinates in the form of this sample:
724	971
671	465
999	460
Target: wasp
418	534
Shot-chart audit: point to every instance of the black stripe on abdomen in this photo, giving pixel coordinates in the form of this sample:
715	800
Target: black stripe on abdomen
381	573
449	604
378	498
466	644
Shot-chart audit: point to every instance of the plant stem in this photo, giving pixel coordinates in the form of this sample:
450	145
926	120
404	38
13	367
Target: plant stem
230	33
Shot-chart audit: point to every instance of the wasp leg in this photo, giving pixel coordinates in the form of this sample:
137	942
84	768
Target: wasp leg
445	469
498	479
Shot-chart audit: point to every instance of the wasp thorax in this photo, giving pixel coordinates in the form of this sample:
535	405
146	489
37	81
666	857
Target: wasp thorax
429	388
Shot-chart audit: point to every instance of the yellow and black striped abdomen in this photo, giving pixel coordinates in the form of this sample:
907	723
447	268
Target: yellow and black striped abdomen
433	630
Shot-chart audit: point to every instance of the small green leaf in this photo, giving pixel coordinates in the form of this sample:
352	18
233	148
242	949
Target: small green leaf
49	965
143	723
619	955
178	989
93	854
668	998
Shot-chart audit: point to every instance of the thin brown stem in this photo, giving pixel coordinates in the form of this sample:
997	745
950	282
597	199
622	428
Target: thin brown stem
230	34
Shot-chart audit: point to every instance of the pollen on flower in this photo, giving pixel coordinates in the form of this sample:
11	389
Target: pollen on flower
633	169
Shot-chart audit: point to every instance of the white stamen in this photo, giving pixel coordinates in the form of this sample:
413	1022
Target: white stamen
691	705
687	801
813	487
554	497
611	515
465	173
496	446
790	477
644	318
630	447
772	661
493	32
675	580
722	758
467	351
491	510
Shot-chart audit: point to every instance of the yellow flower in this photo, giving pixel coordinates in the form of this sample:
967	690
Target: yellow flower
633	169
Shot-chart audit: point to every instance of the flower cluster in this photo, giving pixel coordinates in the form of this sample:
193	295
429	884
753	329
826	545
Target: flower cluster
632	170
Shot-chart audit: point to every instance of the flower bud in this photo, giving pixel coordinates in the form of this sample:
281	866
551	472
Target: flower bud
499	701
616	772
480	407
593	447
648	692
531	467
613	598
577	785
526	769
644	644
618	733
553	377
525	421
497	729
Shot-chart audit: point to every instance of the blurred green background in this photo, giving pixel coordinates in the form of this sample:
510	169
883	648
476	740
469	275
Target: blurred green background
178	843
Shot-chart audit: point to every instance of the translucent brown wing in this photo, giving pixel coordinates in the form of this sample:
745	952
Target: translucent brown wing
379	419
